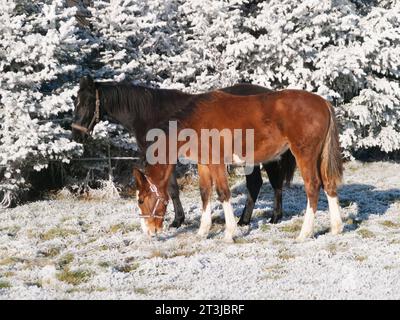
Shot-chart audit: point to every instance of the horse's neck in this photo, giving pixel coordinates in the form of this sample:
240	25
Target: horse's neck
161	174
165	104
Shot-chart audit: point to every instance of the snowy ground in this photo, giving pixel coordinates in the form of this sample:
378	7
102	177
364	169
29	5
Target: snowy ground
71	249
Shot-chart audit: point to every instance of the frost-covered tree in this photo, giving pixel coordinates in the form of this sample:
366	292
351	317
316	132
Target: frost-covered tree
213	45
132	40
135	38
39	59
372	117
346	51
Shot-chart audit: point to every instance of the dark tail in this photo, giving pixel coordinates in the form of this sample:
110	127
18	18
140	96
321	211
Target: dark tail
288	166
331	157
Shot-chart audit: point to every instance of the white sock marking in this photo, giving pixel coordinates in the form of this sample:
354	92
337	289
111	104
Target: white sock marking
307	229
205	222
334	210
230	221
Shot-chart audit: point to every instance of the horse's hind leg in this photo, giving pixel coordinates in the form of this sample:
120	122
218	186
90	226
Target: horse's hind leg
333	202
205	181
276	177
173	190
224	194
312	184
253	184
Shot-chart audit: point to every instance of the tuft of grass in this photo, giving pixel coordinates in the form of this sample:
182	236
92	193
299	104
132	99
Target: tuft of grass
103	247
390	224
241	240
9	260
265	227
116	227
74	277
360	258
141	290
34	284
123	228
292	227
394	241
277	242
387	267
57	232
12	231
127	267
104	264
157	254
182	253
365	233
259	213
5	284
65	260
332	248
275	272
284	254
99	289
50	252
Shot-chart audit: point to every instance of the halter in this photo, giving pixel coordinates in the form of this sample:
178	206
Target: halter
93	122
153	189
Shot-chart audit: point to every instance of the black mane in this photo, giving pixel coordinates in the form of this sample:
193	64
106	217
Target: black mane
140	108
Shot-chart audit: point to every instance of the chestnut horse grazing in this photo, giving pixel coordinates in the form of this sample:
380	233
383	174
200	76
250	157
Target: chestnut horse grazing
289	119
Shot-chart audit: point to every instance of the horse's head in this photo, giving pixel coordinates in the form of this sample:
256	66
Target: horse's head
152	196
86	113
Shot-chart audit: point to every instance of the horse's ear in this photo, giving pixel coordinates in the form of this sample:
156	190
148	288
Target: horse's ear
139	178
86	82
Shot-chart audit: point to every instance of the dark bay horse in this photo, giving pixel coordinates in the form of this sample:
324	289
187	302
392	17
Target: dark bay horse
139	109
289	119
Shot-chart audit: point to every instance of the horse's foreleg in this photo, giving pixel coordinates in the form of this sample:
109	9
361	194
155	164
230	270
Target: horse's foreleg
312	183
276	177
173	190
205	181
224	194
253	184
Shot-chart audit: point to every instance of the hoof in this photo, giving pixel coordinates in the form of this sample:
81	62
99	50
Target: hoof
302	237
176	224
275	219
337	229
228	239
202	234
243	223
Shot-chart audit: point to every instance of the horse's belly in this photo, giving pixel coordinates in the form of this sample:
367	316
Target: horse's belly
269	144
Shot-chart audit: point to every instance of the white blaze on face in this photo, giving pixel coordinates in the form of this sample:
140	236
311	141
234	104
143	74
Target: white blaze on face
143	222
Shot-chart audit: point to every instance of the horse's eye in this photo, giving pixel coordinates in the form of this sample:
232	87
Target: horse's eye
141	201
